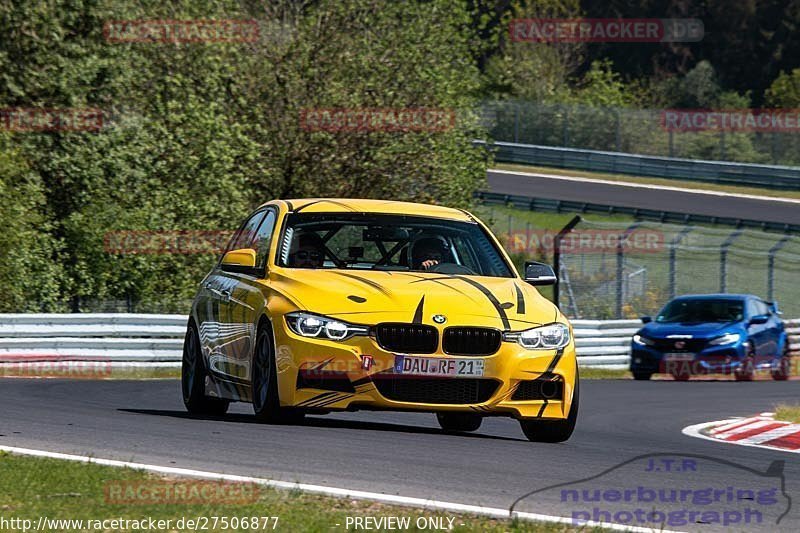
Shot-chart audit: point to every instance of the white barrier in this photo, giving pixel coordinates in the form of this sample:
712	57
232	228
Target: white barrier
159	338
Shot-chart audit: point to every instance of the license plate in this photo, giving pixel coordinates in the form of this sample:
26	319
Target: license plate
679	357
431	366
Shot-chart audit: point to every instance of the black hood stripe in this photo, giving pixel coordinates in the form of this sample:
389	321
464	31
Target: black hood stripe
418	313
520	300
486	292
369	282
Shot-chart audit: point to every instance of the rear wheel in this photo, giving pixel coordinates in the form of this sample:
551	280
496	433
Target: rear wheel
747	368
458	422
640	375
193	379
783	369
553	430
266	403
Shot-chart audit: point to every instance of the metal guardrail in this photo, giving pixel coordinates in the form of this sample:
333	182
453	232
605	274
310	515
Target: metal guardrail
719	172
159	338
567	206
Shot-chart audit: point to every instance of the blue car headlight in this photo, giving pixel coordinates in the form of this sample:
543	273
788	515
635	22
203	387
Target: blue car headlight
642	341
547	337
728	338
309	325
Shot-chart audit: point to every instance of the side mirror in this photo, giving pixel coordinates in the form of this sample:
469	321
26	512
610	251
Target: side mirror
759	319
538	274
646	319
242	260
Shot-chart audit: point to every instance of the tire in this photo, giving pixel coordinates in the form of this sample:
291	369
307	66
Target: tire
784	370
459	422
553	430
640	375
193	379
264	383
747	369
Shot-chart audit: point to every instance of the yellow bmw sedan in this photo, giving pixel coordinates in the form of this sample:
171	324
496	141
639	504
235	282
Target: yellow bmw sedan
321	305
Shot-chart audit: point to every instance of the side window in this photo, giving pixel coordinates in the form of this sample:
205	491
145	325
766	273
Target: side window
246	233
763	309
263	239
752	308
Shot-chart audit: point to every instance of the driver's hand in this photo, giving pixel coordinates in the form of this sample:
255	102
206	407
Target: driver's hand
429	263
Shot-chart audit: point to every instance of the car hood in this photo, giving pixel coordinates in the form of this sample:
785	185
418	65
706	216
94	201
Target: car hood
370	297
699	330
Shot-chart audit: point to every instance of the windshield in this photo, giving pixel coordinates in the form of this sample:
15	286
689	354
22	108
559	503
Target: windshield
702	310
391	243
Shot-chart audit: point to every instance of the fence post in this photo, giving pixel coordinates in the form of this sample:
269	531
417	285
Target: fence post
673	259
621	267
671	143
516	122
617	132
771	266
565	128
723	260
722	154
557	255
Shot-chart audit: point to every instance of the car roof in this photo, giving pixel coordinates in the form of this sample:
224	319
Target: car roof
390	207
717	296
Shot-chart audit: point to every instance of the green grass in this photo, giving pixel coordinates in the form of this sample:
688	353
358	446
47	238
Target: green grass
684	184
788	413
34	487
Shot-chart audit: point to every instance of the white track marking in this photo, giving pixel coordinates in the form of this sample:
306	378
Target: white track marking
742	429
696	431
772	434
648	186
406	501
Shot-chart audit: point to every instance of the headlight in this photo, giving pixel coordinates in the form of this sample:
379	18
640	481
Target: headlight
549	337
309	325
728	338
642	341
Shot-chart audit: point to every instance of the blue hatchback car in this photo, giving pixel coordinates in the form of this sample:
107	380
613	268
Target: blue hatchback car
712	334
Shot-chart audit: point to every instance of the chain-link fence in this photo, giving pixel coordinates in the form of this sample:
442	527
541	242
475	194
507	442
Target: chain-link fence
636	131
625	269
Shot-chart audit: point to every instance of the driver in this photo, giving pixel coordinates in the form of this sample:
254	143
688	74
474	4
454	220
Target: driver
307	251
428	252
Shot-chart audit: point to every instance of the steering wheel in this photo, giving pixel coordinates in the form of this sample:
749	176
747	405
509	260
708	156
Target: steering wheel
451	268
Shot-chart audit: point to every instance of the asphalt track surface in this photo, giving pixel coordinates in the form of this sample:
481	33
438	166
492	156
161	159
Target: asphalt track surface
406	453
558	188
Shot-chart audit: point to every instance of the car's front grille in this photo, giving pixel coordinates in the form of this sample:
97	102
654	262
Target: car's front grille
407	338
679	345
471	341
435	390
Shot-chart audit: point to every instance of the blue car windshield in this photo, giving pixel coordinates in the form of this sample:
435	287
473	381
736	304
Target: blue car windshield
702	310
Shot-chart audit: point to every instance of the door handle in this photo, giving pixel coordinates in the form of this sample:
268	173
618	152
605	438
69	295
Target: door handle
226	294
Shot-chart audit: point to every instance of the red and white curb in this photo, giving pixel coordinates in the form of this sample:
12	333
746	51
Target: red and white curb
760	431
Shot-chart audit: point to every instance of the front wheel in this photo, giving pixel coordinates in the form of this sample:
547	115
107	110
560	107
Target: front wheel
458	422
640	375
553	430
266	403
783	369
193	379
747	368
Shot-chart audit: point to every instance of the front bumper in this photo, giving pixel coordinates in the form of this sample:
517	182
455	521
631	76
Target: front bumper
711	360
320	374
